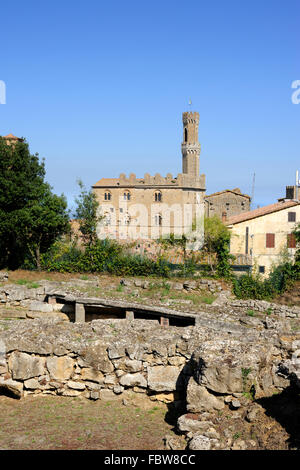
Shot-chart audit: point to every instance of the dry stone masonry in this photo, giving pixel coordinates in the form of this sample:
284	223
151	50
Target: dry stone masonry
213	367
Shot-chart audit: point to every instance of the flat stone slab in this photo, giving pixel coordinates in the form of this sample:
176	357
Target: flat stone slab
98	302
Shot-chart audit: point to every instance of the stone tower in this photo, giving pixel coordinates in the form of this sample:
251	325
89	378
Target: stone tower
190	146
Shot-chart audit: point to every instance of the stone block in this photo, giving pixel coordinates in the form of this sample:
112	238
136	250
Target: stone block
24	366
163	378
60	368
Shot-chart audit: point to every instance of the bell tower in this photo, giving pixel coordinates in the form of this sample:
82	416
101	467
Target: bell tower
190	146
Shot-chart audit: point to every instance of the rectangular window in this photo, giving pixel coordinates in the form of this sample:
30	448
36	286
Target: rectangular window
270	240
262	269
291	241
292	216
247	241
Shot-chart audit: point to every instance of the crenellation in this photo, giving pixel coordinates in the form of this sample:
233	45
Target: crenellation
185	189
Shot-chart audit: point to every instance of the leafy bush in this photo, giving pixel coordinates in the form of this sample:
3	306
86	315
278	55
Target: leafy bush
281	278
103	256
252	287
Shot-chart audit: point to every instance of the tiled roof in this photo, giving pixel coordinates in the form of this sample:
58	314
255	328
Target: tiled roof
11	137
278	206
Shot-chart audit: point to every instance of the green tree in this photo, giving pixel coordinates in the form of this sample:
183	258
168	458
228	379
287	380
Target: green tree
43	222
87	214
217	240
31	217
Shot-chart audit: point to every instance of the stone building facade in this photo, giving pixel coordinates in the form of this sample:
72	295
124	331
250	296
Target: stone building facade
155	206
227	203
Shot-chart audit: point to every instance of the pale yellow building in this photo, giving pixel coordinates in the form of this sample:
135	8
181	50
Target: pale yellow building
264	234
154	206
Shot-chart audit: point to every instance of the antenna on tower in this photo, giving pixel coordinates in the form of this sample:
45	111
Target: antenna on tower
297	185
252	191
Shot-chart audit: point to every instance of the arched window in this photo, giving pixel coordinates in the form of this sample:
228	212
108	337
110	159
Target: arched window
185	134
126	196
157	196
107	196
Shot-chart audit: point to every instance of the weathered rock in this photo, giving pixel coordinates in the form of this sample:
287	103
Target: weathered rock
174	443
16	293
32	384
12	387
48	315
164	378
24	366
252	414
177	361
190	285
133	380
200	442
37	306
94	395
168	397
187	423
92	375
133	365
110	379
3	276
235	404
118	389
199	399
225	366
116	351
177	285
71	393
96	357
60	368
76	385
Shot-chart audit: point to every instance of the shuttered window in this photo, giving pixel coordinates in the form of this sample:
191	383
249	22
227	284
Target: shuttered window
291	241
270	240
292	216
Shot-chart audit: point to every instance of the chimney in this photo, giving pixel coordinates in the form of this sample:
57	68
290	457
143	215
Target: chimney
290	192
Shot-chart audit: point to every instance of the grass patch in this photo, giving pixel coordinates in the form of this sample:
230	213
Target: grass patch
28	284
250	313
208	299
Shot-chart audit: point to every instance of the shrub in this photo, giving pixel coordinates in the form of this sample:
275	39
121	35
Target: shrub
103	256
281	278
250	287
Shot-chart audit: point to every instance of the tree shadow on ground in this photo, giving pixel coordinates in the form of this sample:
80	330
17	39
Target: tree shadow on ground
285	409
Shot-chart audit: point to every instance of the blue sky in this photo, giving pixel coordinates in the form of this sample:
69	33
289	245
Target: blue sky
98	88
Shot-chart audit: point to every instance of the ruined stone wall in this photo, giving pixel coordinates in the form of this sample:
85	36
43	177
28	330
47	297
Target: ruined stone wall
107	358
